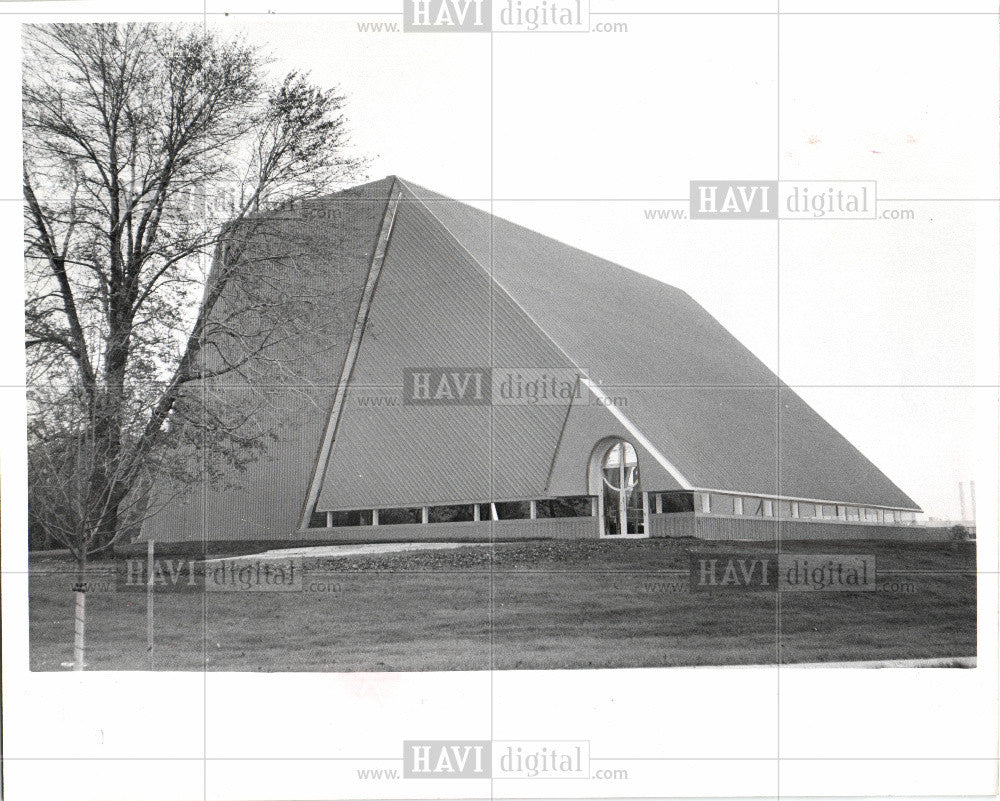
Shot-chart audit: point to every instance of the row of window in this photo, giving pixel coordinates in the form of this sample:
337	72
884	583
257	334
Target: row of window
721	504
583	506
572	506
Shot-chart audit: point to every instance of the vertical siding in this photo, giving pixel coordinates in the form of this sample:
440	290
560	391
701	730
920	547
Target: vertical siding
761	529
672	525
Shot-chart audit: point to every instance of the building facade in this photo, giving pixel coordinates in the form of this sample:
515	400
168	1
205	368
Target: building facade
471	379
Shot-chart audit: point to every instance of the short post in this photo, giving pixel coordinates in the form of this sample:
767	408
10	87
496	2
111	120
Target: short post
79	622
533	510
149	602
374	517
424	514
475	512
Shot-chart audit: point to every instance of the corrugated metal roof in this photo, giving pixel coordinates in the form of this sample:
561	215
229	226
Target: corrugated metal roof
312	261
696	392
435	308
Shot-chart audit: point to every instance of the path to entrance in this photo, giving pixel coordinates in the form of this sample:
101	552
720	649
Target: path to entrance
352	550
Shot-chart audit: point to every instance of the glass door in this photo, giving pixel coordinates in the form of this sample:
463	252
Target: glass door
622	495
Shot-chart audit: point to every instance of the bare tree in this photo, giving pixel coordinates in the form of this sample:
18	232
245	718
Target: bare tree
151	151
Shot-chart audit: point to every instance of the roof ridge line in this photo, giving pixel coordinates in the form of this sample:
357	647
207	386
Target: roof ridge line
613	409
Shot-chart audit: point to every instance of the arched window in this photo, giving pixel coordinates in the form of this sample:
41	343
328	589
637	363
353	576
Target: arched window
621	490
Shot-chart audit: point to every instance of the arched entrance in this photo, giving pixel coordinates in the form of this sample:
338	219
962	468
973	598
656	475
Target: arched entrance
615	480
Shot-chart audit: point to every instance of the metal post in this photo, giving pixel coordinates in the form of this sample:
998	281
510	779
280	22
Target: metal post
149	602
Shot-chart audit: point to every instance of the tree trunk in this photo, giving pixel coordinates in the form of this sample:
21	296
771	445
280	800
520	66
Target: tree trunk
105	489
108	424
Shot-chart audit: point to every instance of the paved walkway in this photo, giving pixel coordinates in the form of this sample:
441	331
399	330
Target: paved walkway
364	549
935	662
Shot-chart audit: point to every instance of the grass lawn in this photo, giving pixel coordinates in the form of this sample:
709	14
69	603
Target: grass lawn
575	604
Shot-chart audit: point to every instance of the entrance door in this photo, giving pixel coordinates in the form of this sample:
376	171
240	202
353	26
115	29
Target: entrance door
621	494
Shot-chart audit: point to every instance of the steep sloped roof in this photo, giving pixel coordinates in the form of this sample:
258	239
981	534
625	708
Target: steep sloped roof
704	400
434	307
315	256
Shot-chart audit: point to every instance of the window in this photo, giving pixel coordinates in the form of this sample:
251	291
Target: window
675	502
571	506
807	510
827	510
513	510
853	513
388	517
758	507
784	508
317	520
721	504
355	517
841	512
890	516
906	517
623	499
461	513
703	502
871	515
